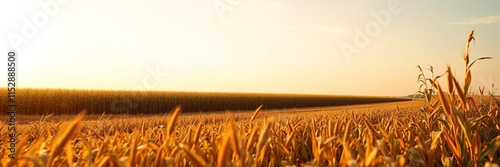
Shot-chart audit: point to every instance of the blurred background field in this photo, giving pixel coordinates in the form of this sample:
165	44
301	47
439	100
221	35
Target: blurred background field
64	101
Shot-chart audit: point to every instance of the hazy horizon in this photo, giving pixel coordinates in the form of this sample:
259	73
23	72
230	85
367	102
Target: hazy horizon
293	47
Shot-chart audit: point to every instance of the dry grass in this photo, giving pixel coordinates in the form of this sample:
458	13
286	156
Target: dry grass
453	128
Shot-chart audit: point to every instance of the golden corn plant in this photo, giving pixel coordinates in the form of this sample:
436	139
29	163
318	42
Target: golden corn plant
462	125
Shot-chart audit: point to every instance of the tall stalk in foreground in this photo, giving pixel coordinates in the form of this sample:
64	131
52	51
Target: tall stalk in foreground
459	126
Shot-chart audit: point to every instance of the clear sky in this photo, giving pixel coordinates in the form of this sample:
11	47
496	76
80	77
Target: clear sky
273	46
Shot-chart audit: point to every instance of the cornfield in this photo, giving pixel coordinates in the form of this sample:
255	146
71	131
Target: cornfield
71	102
451	128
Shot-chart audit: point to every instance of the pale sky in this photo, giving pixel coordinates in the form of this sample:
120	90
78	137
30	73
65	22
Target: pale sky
273	46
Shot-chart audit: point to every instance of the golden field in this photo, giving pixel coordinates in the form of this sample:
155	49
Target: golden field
451	127
394	134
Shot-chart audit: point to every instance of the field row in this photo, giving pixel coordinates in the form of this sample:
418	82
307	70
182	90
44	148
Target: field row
67	102
151	133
